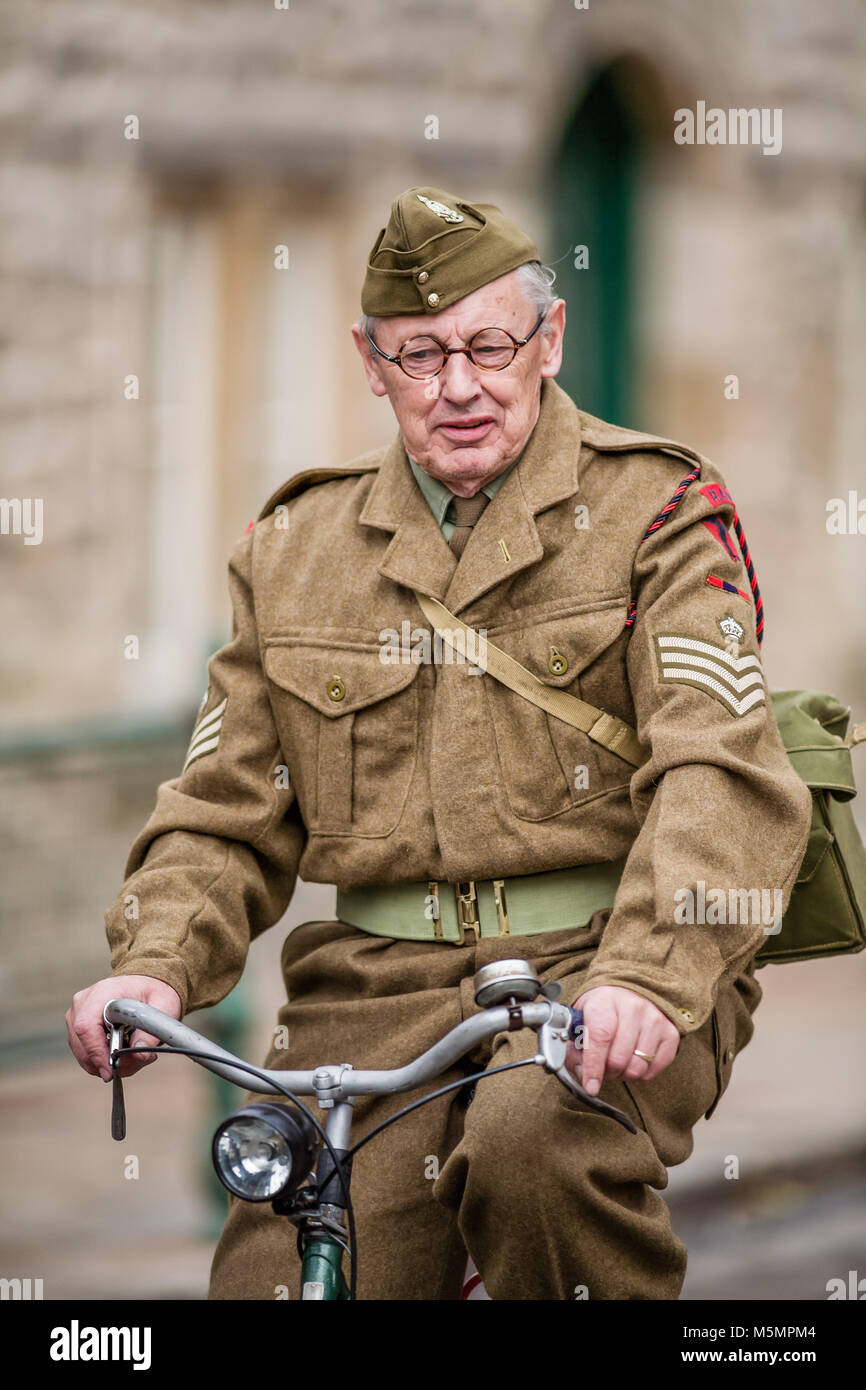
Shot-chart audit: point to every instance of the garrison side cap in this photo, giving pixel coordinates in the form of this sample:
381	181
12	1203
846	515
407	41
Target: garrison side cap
437	248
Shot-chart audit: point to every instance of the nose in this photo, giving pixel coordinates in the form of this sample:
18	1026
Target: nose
459	379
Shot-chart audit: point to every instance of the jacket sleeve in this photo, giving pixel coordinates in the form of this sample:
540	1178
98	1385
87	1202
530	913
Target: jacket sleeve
217	861
718	804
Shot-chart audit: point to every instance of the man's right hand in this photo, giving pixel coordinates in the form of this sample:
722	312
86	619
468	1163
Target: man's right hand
86	1030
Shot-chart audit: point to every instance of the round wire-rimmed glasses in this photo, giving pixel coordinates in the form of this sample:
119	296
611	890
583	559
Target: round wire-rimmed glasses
492	349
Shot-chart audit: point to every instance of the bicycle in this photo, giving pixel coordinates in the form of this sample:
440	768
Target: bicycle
284	1155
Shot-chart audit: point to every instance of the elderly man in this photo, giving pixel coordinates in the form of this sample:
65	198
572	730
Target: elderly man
601	561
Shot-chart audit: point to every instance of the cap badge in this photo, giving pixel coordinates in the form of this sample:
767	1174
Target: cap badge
440	209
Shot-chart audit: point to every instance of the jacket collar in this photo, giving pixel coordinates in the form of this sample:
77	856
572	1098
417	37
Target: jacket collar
505	540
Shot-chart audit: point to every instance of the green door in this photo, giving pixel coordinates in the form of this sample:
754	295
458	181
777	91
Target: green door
592	195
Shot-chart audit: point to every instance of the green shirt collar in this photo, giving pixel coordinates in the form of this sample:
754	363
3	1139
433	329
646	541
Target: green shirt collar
439	497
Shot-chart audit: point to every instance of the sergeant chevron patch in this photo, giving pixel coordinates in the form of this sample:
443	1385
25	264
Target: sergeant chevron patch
206	734
736	682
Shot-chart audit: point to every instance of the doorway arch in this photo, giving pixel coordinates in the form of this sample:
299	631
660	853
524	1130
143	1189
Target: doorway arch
594	181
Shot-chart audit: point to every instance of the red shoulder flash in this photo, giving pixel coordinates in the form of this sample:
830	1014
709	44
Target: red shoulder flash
249	528
716	495
717	528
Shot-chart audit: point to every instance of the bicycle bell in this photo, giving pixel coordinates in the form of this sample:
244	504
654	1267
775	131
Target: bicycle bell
504	980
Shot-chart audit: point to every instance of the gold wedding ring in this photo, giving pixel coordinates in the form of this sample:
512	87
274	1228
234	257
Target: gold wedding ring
644	1056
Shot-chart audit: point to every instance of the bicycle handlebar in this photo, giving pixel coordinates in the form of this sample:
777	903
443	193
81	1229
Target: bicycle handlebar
336	1082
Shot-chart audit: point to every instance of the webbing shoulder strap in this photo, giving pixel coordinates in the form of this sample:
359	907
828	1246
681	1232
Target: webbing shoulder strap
612	733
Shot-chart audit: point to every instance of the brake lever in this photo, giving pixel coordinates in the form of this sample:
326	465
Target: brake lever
553	1039
601	1106
119	1037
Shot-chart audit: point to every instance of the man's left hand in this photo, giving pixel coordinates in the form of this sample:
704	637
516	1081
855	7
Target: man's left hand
616	1022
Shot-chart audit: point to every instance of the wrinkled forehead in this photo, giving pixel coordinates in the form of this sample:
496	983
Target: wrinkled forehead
501	303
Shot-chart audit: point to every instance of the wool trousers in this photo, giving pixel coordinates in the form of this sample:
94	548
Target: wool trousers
550	1199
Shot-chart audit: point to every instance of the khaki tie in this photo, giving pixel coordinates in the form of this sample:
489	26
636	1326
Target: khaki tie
468	511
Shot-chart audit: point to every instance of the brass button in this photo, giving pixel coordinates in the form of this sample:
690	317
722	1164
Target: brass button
557	665
336	689
423	277
729	1055
687	1015
433	300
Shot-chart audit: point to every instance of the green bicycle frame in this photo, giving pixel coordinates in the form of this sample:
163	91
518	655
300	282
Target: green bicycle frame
322	1271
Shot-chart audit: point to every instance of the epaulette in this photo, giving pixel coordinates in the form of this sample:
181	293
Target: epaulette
607	438
301	481
604	437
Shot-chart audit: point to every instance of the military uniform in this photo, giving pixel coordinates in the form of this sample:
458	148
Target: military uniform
313	755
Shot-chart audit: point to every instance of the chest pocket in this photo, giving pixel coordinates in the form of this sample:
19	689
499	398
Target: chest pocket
349	726
547	766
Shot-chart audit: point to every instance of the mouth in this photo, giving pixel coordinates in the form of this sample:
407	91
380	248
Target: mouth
473	427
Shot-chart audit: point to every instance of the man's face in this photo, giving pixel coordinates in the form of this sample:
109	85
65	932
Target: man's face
466	425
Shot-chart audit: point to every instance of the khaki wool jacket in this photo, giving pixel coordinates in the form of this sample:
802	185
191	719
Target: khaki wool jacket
422	771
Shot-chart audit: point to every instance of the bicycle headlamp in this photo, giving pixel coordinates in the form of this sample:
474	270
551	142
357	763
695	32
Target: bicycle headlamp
264	1151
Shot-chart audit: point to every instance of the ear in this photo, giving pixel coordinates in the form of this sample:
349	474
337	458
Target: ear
551	345
372	370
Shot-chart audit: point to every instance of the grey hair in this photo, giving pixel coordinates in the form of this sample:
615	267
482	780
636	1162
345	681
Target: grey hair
536	281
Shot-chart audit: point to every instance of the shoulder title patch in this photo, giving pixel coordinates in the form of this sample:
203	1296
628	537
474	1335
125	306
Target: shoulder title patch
716	494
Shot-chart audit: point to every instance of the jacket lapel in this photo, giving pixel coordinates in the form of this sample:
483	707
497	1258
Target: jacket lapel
505	540
419	555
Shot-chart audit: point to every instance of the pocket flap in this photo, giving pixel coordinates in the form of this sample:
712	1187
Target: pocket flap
559	648
336	680
820	840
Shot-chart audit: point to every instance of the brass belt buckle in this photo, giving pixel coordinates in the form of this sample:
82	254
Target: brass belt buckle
431	909
467	911
501	906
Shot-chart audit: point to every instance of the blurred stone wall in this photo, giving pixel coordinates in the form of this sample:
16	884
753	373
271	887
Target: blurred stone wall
153	258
